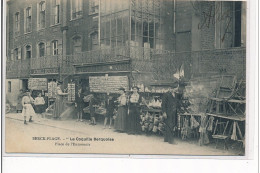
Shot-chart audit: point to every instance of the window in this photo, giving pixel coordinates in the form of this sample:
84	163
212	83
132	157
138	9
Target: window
55	50
28	19
94	41
28	52
228	26
148	34
41	15
76	44
93	6
17	54
41	49
237	29
55	17
9	86
76	9
17	23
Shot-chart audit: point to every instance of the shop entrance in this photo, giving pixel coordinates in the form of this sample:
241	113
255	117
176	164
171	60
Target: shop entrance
84	83
25	84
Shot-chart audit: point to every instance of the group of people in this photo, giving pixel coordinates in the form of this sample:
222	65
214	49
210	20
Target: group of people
30	106
125	110
127	117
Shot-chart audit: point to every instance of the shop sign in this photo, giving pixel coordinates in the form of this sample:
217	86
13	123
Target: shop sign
103	68
44	71
37	84
37	71
104	84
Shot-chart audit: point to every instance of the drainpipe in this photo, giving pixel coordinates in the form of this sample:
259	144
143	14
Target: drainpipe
64	29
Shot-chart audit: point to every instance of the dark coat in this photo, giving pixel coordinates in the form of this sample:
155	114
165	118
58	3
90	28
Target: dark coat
110	106
79	100
133	118
169	106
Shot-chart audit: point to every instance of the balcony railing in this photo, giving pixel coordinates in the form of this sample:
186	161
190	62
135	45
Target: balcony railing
100	55
45	62
18	68
161	62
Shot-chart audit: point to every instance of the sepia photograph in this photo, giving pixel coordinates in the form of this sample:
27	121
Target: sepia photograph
128	77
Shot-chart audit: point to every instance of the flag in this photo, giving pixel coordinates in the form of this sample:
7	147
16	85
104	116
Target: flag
179	73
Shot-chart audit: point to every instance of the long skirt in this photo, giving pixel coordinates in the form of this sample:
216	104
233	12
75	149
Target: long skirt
120	121
39	109
28	111
134	126
58	107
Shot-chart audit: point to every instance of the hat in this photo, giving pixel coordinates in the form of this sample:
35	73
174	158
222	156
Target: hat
135	87
121	88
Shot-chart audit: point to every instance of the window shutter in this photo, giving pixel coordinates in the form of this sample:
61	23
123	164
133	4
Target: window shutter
12	55
25	21
38	15
19	53
24	52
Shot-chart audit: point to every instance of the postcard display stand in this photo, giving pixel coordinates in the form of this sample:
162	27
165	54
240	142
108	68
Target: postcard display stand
71	92
52	89
151	118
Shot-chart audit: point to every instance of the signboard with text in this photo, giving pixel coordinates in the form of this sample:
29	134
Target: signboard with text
37	84
52	87
104	84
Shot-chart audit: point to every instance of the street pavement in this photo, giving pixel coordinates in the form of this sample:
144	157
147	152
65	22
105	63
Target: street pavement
70	136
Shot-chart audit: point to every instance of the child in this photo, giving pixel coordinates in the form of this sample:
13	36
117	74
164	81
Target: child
92	110
110	106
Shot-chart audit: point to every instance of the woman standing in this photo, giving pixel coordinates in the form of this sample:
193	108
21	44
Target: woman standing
28	110
39	104
59	104
134	112
120	121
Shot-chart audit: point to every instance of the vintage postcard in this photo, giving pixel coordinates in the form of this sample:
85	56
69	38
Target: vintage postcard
149	77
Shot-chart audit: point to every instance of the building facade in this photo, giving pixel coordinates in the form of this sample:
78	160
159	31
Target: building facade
143	40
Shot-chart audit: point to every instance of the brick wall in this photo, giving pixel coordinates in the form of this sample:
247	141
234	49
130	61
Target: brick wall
82	27
222	61
46	35
207	25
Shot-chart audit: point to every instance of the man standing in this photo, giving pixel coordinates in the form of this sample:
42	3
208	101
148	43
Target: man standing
79	104
169	109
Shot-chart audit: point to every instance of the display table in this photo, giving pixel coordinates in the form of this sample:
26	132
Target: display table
152	110
228	127
227	106
188	124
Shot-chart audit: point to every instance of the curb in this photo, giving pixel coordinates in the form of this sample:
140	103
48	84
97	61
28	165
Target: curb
44	124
